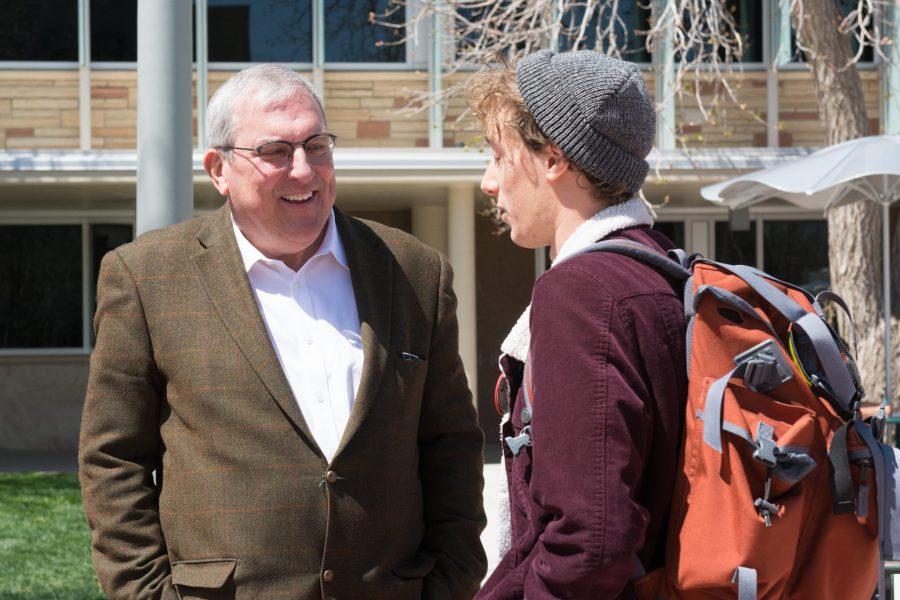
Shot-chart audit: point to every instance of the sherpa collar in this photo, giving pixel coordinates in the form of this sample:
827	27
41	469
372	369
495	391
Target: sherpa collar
632	213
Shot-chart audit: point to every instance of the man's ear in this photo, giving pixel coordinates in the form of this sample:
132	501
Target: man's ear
557	164
213	163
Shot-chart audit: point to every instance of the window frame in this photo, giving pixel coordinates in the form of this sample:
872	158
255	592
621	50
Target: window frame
85	222
760	216
415	56
413	61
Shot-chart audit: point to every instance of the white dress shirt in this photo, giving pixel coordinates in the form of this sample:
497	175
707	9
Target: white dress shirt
313	323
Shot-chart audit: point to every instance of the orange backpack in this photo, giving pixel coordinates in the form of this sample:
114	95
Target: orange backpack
774	494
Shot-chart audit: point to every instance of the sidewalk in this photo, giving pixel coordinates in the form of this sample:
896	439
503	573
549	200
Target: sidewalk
494	477
54	461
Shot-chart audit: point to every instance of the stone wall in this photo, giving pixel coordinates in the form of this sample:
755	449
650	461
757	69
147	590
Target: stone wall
42	399
743	123
114	109
39	109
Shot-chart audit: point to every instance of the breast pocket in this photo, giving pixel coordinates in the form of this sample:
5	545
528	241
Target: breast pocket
411	372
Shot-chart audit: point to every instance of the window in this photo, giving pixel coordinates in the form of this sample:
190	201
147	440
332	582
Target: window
868	53
104	237
748	15
735	247
633	18
674	230
42	284
351	37
748	20
260	31
797	251
114	31
39	30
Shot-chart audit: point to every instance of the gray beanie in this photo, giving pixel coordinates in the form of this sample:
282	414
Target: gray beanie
595	108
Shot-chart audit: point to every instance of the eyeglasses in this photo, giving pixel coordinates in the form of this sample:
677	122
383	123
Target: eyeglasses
280	153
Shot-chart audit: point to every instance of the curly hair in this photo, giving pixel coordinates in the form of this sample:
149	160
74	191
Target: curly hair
493	96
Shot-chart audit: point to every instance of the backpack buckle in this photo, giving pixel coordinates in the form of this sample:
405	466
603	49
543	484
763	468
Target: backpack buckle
767	367
520	441
765	445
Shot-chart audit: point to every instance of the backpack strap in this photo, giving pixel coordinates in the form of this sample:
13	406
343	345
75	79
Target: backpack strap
642	253
882	502
745	578
516	443
840	382
830	296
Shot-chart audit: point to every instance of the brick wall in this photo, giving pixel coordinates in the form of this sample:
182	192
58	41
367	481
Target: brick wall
113	109
743	123
39	109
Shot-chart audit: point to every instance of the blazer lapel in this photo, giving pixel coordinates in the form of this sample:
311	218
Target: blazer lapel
223	275
371	273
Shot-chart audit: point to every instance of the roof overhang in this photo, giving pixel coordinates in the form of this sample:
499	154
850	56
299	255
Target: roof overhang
383	165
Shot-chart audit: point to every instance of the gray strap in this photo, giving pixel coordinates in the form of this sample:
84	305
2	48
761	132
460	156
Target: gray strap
793	463
781	301
830	358
681	256
826	350
786	284
830	296
712	426
745	578
884	525
732	300
688	297
639	252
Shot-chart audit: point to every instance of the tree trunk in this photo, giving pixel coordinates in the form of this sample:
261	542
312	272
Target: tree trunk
854	230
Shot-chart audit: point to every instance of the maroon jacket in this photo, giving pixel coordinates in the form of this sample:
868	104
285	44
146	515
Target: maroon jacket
609	381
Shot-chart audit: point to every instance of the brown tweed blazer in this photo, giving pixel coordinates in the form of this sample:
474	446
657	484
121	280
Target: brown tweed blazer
185	382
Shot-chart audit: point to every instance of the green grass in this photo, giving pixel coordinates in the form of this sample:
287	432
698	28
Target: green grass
45	545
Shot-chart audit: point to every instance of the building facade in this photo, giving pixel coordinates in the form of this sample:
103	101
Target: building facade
68	98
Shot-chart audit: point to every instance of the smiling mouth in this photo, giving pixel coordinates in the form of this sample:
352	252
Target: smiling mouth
298	198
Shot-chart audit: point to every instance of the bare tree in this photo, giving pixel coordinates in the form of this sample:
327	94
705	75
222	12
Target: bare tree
708	46
854	231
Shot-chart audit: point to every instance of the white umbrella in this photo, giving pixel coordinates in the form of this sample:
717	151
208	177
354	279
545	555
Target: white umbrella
865	168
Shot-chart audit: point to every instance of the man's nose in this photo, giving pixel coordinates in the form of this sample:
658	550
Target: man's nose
300	167
489	184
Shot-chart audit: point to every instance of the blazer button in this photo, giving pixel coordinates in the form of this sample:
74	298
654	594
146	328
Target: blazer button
331	477
328	576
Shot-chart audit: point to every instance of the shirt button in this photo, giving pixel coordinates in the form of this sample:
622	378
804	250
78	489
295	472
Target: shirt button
309	340
320	398
330	477
328	576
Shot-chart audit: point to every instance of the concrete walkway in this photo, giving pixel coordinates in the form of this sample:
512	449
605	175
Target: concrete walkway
494	478
50	461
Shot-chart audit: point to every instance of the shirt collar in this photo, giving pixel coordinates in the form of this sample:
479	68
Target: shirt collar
331	244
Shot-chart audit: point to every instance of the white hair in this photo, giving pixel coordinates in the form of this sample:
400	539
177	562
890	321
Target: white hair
271	84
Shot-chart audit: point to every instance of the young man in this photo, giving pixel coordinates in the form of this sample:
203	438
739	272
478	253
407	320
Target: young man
603	341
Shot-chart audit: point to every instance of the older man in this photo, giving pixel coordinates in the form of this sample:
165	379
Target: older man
291	375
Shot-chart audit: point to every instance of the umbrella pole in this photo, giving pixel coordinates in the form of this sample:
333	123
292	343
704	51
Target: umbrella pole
886	263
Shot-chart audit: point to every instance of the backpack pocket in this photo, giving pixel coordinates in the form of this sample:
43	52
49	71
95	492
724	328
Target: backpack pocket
743	506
